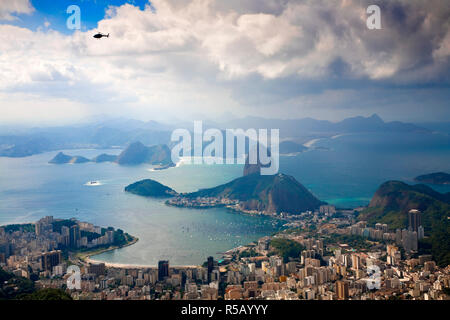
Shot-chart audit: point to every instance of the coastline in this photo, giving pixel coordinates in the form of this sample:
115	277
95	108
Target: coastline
135	266
86	256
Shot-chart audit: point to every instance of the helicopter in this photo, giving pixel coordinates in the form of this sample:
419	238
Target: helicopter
101	35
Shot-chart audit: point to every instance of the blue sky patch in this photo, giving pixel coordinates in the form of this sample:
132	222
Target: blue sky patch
55	13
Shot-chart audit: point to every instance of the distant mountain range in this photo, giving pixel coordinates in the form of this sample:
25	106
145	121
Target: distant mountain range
136	153
113	133
434	178
309	126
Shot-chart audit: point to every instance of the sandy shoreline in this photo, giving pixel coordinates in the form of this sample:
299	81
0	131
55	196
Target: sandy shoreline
134	266
87	259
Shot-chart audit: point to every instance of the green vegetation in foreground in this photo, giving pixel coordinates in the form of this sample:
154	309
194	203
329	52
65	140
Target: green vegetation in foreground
286	248
19	288
47	294
13	287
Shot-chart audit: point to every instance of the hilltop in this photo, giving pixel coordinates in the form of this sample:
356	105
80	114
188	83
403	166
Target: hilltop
62	158
137	153
394	199
270	193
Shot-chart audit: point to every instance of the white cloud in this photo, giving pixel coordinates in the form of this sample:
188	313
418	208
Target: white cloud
192	57
10	7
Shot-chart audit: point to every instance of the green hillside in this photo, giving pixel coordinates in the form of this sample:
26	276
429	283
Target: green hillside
394	199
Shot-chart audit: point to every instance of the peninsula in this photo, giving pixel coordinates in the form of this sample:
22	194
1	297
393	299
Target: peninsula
252	193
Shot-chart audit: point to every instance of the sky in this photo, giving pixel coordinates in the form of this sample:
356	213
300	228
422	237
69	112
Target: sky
172	60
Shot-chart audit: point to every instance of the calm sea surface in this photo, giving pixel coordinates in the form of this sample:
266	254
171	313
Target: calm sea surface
344	171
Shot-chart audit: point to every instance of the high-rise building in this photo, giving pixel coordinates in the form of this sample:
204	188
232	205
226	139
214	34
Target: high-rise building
74	235
163	269
409	240
356	262
97	269
414	219
38	228
420	232
110	236
50	259
5	248
342	290
65	231
210	267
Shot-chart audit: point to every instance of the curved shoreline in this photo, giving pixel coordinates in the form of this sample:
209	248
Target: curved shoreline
86	256
87	259
135	266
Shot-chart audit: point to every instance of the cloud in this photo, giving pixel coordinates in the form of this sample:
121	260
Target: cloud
178	58
10	7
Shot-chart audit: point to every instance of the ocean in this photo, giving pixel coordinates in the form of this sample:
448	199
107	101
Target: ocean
344	171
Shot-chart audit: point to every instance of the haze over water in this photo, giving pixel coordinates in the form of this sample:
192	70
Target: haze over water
345	171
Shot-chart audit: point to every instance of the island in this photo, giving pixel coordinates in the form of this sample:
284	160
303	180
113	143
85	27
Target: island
135	154
62	158
150	188
104	158
434	178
